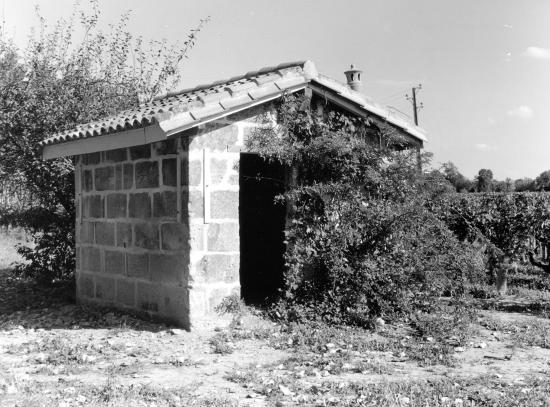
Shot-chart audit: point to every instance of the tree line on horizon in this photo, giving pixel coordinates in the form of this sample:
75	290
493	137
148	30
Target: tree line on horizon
484	181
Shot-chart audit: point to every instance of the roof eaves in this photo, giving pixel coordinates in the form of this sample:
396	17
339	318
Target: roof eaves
229	106
370	106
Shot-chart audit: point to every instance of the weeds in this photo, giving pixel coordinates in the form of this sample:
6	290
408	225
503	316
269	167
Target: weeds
222	343
232	305
526	333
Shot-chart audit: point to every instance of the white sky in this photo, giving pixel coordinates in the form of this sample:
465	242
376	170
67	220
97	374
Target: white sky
484	64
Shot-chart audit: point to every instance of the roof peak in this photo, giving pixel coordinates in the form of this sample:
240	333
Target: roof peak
307	66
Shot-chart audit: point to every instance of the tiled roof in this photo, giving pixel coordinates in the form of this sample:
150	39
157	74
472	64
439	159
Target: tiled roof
178	111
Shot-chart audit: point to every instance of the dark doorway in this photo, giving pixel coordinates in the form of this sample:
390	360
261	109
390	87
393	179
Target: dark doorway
262	223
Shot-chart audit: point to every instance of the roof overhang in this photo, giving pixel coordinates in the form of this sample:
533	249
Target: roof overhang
158	131
175	114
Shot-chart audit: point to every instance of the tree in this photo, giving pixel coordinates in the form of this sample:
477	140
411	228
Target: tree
542	182
484	180
60	81
459	181
504	186
524	184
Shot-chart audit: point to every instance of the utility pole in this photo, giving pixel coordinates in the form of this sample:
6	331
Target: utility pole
416	107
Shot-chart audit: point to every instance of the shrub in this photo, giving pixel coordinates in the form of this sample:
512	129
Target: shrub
362	241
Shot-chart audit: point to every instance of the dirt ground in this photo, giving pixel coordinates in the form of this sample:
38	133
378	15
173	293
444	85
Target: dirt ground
53	352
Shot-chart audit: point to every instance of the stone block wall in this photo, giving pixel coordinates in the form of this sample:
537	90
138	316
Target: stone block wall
149	243
214	207
132	242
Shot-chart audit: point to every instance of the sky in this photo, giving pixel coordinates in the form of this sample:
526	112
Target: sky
484	65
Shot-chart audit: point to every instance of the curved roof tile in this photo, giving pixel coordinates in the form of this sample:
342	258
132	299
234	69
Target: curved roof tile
185	107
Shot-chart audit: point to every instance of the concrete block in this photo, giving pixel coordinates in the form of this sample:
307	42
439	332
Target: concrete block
216	136
138	265
105	233
195	203
198	303
128	176
169	172
218	168
140	206
169	268
175	236
224	204
77	258
223	237
126	292
148	296
119	179
105	288
195	173
77	207
91	158
196	240
124	234
147	174
116	156
165	147
87	232
87	180
93	206
114	262
116	205
90	260
164	204
174	304
85	285
216	268
143	151
147	236
104	178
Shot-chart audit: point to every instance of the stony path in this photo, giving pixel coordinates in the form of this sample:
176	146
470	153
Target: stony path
56	353
76	354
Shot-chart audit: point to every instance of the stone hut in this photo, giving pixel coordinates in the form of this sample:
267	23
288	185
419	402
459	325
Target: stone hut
171	217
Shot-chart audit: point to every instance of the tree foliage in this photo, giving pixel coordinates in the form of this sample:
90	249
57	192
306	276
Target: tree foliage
453	175
58	81
362	240
484	180
508	224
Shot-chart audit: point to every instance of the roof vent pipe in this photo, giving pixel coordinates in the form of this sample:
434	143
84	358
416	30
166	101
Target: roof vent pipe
353	77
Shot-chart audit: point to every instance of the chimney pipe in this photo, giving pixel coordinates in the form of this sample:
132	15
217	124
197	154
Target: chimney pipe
353	77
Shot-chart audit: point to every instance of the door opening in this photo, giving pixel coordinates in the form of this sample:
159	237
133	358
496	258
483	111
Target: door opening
262	223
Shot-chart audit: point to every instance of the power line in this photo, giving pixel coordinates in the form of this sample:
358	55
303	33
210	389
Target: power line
392	96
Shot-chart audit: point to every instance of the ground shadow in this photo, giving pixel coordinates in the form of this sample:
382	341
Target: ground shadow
27	304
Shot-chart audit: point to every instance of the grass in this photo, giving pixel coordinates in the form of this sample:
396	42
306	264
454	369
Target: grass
56	351
487	390
525	333
481	391
222	343
109	393
429	339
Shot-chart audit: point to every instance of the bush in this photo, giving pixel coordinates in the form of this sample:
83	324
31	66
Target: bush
362	241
